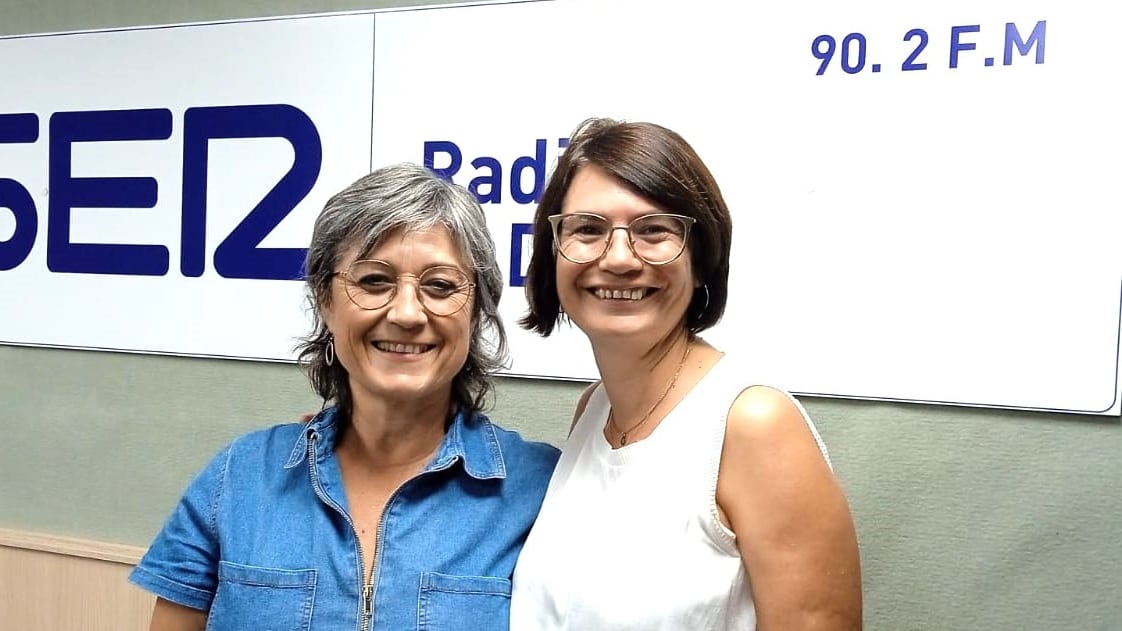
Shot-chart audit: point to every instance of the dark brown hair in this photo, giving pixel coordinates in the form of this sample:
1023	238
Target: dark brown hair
660	166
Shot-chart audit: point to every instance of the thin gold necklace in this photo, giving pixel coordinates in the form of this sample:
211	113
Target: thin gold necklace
670	386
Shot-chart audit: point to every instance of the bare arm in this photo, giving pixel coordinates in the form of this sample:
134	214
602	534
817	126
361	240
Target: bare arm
791	518
169	616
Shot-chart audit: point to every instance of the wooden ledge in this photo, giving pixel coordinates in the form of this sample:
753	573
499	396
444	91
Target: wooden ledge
71	546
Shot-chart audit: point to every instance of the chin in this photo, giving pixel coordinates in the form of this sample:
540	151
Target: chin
617	326
402	387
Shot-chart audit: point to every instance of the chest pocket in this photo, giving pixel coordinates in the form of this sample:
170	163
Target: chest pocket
463	603
261	598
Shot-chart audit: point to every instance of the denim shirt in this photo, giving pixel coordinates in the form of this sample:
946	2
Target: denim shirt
263	540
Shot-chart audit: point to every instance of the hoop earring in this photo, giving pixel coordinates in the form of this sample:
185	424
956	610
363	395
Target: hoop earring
706	305
329	352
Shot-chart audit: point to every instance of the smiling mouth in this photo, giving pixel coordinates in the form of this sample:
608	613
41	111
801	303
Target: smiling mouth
621	294
405	349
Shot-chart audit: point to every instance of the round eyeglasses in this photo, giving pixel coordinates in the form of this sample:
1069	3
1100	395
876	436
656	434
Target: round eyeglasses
372	284
657	239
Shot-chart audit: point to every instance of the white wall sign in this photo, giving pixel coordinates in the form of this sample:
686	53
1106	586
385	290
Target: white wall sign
143	166
923	196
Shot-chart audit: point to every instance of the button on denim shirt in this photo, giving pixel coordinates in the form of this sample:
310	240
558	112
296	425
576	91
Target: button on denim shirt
262	538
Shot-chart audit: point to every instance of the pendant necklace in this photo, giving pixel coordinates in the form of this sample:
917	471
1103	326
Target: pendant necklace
670	386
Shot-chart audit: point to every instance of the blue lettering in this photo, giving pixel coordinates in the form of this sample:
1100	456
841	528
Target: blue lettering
517	232
68	192
493	181
1013	39
536	165
18	128
238	255
487	183
958	45
455	158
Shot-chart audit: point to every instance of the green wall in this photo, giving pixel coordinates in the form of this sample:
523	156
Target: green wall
968	519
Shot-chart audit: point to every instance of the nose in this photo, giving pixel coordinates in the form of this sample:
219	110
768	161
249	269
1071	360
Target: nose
619	257
405	309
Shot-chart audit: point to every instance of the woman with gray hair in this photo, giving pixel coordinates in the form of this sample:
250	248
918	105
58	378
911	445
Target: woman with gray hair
400	505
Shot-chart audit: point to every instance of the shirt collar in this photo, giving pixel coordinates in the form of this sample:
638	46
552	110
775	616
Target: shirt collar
470	439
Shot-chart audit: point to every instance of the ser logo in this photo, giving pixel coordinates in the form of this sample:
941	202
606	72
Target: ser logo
237	256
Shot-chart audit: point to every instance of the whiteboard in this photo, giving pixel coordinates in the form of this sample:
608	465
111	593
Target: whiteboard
170	70
939	234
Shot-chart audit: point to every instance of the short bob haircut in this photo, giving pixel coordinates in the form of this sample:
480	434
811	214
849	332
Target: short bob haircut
660	166
404	197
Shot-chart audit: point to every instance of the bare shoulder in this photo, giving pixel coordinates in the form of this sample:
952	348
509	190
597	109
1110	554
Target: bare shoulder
584	396
762	416
770	454
582	403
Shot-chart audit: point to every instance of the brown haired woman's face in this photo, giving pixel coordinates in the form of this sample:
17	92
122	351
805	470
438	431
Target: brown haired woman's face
619	294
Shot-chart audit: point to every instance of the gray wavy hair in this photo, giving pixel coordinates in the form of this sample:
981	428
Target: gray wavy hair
409	197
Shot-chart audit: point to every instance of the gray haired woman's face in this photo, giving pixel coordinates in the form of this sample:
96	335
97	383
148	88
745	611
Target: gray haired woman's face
401	316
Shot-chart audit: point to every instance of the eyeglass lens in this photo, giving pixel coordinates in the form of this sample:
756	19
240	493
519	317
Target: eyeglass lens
442	290
658	238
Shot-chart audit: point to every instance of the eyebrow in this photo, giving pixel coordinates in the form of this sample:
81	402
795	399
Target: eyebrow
630	218
430	265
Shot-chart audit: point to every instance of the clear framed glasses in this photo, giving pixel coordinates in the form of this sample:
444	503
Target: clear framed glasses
657	239
372	284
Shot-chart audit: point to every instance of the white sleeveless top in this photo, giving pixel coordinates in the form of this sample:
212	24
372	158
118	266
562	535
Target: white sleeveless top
630	538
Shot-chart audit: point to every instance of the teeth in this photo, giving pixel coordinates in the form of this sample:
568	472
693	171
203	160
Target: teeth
399	348
620	294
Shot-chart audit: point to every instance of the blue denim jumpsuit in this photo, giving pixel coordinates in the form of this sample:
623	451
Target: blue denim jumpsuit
262	538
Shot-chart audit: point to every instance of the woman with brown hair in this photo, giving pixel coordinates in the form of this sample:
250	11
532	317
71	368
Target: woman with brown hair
687	496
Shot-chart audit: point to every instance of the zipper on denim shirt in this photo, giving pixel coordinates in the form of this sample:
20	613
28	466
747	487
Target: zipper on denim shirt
368	589
367	604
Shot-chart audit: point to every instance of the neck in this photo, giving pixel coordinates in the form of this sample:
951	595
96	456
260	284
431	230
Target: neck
635	378
385	434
